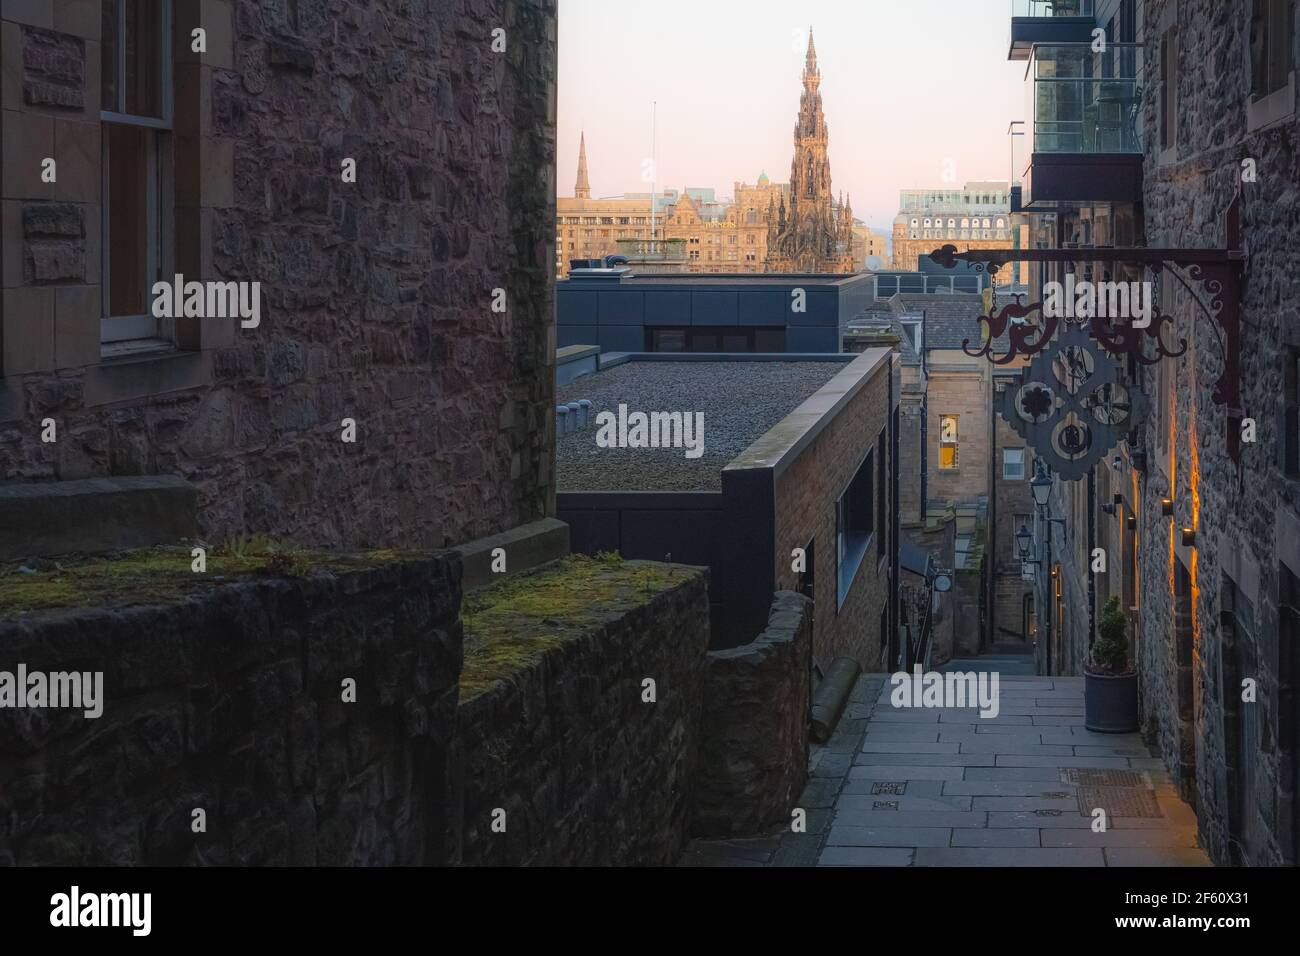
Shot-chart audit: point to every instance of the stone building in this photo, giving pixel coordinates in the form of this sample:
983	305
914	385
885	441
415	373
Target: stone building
870	249
715	235
129	158
977	216
1200	549
813	233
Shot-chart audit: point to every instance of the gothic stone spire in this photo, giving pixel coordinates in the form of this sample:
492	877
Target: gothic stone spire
582	189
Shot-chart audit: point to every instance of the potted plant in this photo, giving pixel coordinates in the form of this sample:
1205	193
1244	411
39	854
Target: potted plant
1110	692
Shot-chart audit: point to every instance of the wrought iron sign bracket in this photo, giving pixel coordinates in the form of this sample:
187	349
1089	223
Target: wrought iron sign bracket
1218	270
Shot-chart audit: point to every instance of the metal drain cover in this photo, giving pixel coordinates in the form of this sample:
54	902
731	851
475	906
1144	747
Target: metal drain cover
1089	777
894	788
884	804
1120	801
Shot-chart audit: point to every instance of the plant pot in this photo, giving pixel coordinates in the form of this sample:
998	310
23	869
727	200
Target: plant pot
1110	704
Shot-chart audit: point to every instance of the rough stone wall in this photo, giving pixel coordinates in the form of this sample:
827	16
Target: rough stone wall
754	744
586	772
232	703
1245	522
806	493
376	294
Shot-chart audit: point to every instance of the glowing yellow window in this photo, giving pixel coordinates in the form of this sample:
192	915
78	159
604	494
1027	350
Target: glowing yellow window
947	441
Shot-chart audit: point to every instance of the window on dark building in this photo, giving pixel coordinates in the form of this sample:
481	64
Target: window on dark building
1291	413
855	523
881	485
1169	89
1272	38
1013	464
136	71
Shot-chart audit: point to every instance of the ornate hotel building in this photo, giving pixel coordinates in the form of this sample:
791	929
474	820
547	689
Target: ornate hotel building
976	216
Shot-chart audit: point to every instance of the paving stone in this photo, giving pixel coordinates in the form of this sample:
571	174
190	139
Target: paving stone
908	818
871	745
1005	788
998	856
918	732
936	760
980	731
888	836
1146	763
1002	720
1057	721
1035	774
1159	856
1118	751
914	788
1001	745
820	793
904	772
1024	760
905	716
867	801
1006	804
798	849
1126	838
995	838
865	856
833	764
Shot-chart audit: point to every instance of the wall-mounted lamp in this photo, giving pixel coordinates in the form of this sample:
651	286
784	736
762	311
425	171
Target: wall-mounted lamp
1132	522
1117	498
1117	463
1189	537
1167	507
1023	538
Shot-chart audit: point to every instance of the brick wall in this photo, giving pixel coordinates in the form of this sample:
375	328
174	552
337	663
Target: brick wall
376	294
806	494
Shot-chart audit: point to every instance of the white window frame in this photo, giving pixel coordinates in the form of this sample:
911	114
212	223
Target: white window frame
1006	452
128	333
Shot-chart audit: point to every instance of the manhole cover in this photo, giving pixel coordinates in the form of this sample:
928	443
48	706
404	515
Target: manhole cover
894	788
1088	777
1119	801
884	805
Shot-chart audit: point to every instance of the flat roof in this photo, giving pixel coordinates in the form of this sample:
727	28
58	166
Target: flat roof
741	401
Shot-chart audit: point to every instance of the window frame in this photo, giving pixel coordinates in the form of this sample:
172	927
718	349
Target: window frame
852	547
121	334
953	444
1022	465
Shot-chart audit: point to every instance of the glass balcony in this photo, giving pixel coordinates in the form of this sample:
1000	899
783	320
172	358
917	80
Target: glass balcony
1084	102
1051	8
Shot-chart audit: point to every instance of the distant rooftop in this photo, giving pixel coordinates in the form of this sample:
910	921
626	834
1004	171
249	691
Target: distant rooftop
741	401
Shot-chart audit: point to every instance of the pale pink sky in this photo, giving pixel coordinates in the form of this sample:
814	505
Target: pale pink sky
907	85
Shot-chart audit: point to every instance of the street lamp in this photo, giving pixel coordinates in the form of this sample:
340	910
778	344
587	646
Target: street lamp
1041	486
1023	538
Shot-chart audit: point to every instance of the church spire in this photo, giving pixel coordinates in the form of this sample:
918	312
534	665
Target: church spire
582	189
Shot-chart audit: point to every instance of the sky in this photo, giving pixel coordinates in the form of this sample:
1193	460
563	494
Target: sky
911	89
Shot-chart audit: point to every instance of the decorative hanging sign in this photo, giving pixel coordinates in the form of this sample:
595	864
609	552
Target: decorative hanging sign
1099	339
1070	405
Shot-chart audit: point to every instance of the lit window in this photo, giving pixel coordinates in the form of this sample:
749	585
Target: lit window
947	442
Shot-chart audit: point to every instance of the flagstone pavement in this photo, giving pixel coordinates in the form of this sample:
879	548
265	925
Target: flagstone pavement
946	787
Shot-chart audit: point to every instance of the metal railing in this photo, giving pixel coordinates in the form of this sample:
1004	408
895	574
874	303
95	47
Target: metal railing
1052	8
886	286
1084	101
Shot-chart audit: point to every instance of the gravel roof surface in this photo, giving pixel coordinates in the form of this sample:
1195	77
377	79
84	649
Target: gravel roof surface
740	402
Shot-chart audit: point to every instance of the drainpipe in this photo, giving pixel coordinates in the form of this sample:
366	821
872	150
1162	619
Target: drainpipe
992	552
1092	544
